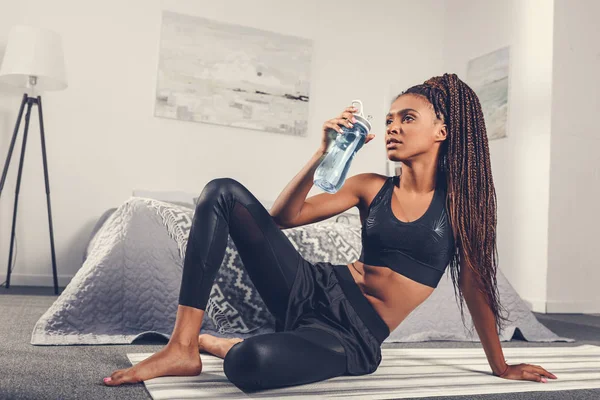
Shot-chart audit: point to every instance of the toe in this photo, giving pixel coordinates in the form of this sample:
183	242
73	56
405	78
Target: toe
120	377
110	380
115	378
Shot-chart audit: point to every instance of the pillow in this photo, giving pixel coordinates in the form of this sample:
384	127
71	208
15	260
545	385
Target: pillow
181	198
175	197
350	217
235	306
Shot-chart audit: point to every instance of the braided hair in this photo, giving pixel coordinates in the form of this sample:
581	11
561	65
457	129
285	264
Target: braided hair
464	164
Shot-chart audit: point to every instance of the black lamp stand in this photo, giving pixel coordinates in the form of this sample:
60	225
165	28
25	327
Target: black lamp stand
29	101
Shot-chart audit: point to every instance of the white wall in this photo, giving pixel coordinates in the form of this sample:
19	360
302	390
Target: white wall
573	264
103	140
521	161
546	171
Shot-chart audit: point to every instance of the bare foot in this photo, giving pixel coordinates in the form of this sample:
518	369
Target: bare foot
216	345
172	360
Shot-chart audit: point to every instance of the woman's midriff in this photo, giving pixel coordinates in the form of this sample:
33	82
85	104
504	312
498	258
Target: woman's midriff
391	294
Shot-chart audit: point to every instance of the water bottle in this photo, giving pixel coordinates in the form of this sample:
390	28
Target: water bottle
330	175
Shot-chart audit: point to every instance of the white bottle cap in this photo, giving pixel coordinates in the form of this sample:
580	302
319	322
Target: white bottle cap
360	118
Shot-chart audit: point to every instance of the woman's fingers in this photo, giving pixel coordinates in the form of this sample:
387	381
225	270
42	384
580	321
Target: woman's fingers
531	376
346	122
348	111
536	373
332	125
341	121
369	138
349	116
337	123
347	119
542	371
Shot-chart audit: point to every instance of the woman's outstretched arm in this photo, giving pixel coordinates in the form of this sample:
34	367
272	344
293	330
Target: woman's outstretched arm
483	319
485	324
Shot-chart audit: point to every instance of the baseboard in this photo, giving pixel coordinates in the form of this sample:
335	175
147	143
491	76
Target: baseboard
37	280
538	306
572	307
563	307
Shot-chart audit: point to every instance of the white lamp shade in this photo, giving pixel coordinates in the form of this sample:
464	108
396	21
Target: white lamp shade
34	52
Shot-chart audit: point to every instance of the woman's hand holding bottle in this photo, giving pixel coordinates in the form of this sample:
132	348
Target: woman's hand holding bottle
333	127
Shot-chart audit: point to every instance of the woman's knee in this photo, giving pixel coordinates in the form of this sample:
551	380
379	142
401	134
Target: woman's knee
244	365
218	187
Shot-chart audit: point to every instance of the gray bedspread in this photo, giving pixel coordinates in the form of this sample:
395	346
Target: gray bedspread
128	286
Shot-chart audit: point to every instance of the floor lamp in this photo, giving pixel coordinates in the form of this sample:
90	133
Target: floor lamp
33	60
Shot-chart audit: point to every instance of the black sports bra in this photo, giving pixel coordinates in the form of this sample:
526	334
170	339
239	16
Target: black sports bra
420	250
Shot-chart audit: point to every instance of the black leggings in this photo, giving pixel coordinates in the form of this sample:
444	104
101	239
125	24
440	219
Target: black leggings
269	360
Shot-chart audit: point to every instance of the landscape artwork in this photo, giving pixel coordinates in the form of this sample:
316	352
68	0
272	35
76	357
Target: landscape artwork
231	75
488	77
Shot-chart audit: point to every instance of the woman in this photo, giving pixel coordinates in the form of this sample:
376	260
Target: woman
332	319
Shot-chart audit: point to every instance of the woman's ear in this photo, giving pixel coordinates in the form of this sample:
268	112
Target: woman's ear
442	133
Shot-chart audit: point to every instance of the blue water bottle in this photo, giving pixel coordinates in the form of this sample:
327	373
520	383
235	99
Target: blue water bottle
330	175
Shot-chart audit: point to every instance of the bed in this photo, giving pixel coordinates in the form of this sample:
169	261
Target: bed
129	281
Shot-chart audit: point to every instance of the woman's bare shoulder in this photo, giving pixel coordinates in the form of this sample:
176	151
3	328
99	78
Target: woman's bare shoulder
372	179
370	184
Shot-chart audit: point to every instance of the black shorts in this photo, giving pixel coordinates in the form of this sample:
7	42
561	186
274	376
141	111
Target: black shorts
317	306
325	296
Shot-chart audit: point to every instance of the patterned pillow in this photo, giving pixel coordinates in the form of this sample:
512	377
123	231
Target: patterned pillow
235	306
348	218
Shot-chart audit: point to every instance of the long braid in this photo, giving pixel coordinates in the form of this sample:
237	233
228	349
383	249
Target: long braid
464	162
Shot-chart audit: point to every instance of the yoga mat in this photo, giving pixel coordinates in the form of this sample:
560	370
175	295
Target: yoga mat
403	373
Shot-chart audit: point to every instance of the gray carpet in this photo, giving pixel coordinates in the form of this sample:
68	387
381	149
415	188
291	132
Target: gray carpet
76	372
